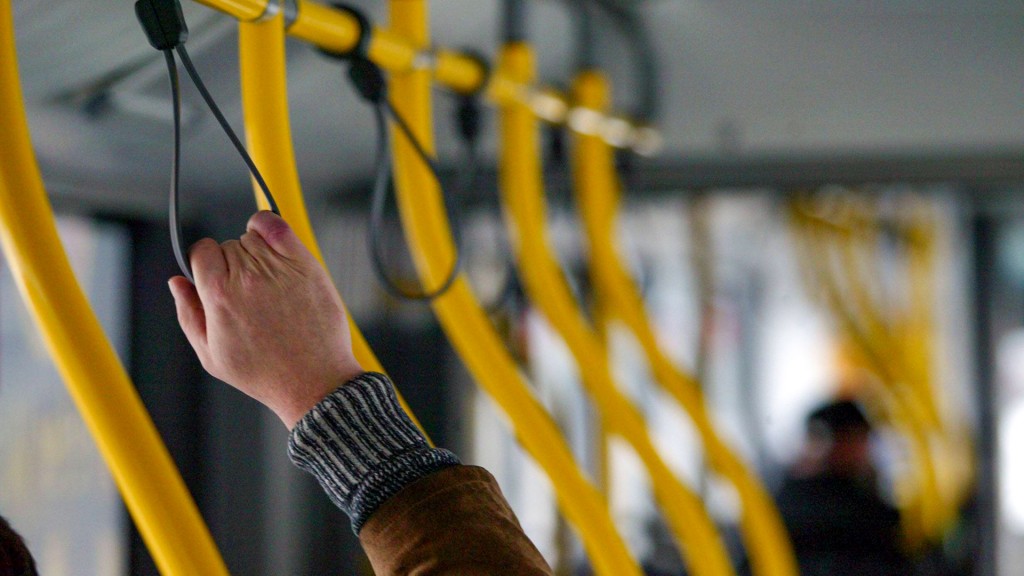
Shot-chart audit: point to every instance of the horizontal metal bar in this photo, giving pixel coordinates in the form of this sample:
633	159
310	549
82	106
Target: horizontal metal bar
337	31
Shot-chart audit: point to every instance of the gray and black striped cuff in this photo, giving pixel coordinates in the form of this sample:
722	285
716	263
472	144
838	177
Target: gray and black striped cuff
362	447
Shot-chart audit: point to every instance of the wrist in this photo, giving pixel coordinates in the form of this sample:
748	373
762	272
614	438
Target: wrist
294	407
362	447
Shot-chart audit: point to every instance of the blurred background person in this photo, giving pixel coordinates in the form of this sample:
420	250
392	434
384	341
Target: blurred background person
830	501
15	559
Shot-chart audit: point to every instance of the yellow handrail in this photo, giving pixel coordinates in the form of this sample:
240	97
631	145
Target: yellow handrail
337	31
918	325
470	331
523	202
957	465
597	193
268	131
150	484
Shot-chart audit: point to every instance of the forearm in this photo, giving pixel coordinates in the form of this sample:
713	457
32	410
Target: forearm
415	508
264	316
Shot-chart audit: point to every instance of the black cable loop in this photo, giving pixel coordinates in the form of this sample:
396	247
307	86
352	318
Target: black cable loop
469	126
378	202
177	236
165	28
467	117
187	63
369	82
174	220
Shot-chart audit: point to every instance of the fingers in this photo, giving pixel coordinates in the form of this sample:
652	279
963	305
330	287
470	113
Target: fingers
208	262
238	258
277	234
191	315
255	245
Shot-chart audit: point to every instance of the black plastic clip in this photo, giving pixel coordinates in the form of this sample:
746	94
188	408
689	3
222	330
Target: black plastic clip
367	78
469	111
163	22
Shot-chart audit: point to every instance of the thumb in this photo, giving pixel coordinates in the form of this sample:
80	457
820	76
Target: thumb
277	234
191	314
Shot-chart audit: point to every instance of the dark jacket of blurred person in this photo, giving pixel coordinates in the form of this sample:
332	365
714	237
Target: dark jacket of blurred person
15	559
838	521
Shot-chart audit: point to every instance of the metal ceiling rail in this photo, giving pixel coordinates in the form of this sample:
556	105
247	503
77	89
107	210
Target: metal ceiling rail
337	31
598	198
522	194
152	489
470	331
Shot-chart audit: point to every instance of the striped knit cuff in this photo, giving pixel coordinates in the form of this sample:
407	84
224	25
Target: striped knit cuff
362	447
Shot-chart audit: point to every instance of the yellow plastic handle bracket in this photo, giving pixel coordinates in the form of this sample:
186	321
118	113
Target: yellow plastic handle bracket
268	130
467	326
597	192
523	201
152	489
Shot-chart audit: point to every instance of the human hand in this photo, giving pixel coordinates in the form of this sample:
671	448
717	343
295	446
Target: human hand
265	317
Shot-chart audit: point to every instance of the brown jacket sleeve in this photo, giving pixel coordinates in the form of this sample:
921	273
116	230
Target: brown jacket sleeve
452	522
417	511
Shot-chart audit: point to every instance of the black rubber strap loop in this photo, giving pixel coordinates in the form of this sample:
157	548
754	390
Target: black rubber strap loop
165	27
370	83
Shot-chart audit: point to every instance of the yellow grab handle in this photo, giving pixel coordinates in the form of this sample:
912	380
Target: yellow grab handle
268	131
597	193
523	202
150	484
467	326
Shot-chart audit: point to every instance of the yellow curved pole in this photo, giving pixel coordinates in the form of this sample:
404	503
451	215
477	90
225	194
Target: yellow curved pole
268	131
954	443
895	406
893	341
845	285
918	326
597	193
523	202
150	484
856	238
903	340
473	336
